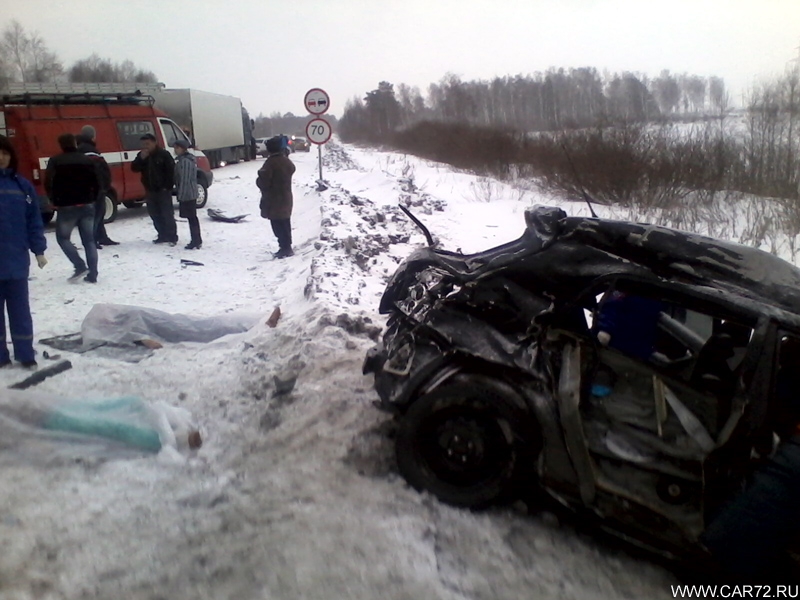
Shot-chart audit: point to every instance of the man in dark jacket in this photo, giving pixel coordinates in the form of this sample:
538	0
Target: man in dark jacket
72	183
87	144
158	177
275	182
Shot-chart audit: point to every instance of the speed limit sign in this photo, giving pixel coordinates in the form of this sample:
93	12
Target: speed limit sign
318	131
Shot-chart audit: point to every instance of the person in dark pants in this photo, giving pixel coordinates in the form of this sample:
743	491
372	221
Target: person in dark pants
186	187
158	177
72	183
21	232
275	182
87	144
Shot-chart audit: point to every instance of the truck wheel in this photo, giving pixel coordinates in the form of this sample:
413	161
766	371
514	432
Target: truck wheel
468	443
133	204
111	209
202	195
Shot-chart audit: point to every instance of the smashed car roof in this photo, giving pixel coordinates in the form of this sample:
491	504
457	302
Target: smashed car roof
674	254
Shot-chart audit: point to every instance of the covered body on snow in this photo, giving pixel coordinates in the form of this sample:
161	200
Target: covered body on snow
510	368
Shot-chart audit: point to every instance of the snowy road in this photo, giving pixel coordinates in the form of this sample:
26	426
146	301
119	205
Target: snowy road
292	498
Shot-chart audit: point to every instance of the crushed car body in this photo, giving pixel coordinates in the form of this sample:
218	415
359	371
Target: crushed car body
626	370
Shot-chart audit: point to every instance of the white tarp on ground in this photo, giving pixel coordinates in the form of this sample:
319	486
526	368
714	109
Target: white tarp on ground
122	324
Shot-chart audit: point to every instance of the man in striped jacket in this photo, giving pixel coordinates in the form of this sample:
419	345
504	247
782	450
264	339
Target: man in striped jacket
186	187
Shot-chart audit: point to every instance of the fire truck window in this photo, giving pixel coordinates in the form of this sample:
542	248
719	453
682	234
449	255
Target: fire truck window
130	133
169	133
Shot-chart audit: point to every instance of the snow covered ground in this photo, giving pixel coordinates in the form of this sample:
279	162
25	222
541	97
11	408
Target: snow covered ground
289	497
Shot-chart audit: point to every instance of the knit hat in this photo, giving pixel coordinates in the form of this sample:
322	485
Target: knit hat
88	132
273	145
181	143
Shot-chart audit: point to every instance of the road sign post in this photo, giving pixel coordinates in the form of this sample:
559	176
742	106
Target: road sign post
318	130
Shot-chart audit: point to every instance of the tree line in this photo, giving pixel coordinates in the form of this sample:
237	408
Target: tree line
543	101
277	123
631	138
26	58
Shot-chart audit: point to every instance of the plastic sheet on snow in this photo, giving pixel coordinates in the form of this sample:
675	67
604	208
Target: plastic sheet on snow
121	324
46	428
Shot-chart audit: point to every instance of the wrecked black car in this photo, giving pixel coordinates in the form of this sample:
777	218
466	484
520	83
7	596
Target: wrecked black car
630	372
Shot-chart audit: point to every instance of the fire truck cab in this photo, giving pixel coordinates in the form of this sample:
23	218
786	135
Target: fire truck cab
33	122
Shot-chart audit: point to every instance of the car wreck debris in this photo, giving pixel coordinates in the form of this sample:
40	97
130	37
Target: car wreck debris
42	374
628	371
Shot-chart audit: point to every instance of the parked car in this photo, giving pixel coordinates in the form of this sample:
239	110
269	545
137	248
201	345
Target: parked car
299	144
34	120
627	371
261	146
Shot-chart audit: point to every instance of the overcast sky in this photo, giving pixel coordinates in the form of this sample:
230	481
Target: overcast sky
269	53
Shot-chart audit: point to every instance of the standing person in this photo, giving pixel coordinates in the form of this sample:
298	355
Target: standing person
284	140
275	182
21	232
186	186
72	183
158	177
87	144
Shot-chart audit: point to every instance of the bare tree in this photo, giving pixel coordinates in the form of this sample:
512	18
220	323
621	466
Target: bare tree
44	64
15	46
718	96
28	56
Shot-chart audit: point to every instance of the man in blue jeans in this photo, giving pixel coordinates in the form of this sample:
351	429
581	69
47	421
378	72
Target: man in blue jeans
73	184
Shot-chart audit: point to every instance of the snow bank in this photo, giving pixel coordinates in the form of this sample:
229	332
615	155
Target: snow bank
291	495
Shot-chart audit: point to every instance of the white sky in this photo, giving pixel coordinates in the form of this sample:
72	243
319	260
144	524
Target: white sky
270	52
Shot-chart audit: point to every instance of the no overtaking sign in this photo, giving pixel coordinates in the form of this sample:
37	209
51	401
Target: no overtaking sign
318	130
317	101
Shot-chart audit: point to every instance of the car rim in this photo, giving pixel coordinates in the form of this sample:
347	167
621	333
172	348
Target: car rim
109	208
201	194
465	447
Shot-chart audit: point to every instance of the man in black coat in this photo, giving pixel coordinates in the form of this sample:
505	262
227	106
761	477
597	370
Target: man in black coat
158	177
72	184
87	144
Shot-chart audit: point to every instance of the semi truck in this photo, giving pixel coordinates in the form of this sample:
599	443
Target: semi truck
217	124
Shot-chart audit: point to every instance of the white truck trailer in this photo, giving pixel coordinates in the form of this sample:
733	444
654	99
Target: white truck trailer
218	125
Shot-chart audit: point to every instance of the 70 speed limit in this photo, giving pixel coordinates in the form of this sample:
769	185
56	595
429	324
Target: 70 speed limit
318	131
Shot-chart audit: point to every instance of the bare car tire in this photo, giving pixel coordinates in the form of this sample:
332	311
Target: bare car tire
110	209
202	195
468	443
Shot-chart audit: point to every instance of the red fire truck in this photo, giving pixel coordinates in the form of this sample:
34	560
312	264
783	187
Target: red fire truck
33	122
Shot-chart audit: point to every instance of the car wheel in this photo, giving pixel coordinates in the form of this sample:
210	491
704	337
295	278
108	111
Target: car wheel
202	195
468	443
110	210
133	205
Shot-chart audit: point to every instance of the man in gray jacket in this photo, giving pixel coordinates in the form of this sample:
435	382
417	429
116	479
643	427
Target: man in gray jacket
186	186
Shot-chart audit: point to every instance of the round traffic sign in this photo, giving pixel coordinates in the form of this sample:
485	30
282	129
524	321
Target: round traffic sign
317	101
318	131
